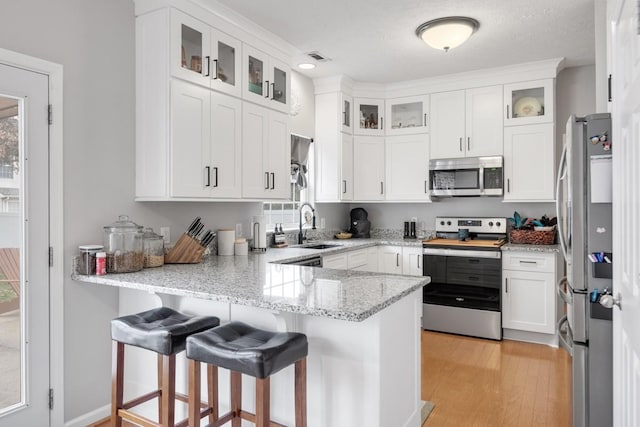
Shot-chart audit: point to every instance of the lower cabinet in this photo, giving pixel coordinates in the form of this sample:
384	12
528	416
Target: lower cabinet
412	261
529	301
336	261
390	259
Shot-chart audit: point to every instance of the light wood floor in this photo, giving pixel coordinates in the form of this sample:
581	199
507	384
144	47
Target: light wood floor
477	382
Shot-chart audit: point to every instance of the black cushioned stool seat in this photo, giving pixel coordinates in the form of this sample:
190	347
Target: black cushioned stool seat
163	331
246	350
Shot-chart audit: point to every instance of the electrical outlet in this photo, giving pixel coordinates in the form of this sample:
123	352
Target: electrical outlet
322	223
238	230
165	232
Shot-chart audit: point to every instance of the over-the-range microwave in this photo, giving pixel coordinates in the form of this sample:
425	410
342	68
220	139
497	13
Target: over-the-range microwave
470	176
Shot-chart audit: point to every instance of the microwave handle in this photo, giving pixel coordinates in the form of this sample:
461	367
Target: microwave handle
481	180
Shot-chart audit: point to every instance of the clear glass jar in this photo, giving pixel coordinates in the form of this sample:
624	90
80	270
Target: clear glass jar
153	245
87	264
123	245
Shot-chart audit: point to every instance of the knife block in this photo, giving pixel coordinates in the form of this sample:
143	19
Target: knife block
187	250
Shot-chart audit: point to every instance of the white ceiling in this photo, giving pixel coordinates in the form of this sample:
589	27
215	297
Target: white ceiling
374	40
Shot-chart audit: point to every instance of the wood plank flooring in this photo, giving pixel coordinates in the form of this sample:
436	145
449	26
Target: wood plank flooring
477	382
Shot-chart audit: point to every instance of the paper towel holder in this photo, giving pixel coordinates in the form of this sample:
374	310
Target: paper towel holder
257	232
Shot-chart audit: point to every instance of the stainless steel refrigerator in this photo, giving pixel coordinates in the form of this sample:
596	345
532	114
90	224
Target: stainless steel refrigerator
584	226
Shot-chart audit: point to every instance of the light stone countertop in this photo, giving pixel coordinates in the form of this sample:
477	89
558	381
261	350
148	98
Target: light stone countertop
257	280
530	248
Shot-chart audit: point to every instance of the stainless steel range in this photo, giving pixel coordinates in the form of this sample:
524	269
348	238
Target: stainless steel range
465	265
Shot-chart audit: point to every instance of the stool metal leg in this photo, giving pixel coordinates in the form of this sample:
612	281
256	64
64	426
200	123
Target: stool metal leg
236	398
168	395
117	382
262	402
301	392
212	387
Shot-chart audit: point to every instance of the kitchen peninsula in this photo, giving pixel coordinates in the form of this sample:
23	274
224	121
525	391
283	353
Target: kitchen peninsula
363	330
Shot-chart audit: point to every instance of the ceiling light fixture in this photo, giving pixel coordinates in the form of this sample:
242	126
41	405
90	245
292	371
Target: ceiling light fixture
306	66
447	33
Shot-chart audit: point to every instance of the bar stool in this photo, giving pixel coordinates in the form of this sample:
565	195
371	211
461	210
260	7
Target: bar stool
246	350
163	331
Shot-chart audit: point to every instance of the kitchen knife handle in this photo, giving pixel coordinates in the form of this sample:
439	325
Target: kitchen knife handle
344	186
208	60
273	180
460	143
215	61
266	174
215	171
207	176
267	95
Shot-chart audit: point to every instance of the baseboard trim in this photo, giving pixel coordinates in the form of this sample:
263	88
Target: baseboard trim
90	417
533	337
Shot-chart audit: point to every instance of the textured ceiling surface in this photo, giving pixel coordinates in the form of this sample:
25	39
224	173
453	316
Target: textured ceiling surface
374	40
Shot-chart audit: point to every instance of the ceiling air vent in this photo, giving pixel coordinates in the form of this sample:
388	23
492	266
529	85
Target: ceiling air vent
318	56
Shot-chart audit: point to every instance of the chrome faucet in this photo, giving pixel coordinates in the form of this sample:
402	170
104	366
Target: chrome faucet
313	224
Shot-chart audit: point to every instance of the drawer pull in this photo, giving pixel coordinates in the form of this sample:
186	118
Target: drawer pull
474	278
529	262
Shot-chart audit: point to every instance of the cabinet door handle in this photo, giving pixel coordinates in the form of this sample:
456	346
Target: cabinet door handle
397	260
506	285
273	180
468	143
266	174
425	187
460	143
425	119
208	58
273	91
344	118
507	111
207	176
508	186
267	95
215	61
381	187
215	172
419	256
344	186
381	123
609	88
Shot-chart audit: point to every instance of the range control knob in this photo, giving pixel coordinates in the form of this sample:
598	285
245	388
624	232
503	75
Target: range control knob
490	223
441	222
448	222
498	224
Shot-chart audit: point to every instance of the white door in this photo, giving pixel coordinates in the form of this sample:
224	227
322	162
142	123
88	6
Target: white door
368	168
255	176
626	209
226	146
24	353
346	190
279	156
407	170
390	259
447	125
484	121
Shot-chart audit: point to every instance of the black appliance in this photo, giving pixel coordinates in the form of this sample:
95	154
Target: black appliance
466	277
360	227
310	262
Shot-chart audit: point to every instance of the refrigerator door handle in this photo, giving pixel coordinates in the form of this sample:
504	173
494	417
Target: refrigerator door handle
564	295
565	340
562	171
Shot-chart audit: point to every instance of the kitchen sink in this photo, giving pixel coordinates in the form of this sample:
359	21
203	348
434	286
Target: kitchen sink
319	246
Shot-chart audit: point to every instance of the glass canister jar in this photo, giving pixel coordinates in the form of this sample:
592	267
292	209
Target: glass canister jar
123	245
153	245
87	264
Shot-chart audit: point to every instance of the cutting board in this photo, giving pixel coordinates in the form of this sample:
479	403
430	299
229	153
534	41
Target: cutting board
468	243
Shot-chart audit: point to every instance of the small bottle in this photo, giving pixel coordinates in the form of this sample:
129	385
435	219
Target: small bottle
101	263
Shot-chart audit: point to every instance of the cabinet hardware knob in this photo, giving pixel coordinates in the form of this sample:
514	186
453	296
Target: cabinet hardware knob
468	143
508	186
507	111
425	119
273	180
215	170
208	60
207	176
267	95
506	285
273	91
266	174
344	186
381	187
460	143
397	260
215	61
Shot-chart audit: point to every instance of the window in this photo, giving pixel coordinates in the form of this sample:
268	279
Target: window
6	171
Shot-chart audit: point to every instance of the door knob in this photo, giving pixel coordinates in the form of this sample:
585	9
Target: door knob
609	301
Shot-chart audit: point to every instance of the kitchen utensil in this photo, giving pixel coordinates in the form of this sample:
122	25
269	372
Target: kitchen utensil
259	233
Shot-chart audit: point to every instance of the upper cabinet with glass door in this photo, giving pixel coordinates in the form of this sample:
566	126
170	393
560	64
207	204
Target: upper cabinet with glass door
408	115
267	80
529	102
346	105
203	55
369	118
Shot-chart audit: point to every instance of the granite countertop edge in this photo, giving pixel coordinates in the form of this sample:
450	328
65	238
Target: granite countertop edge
530	248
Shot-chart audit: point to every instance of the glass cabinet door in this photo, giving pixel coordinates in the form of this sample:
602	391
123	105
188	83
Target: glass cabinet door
279	86
190	48
369	120
407	115
225	63
255	76
529	102
347	114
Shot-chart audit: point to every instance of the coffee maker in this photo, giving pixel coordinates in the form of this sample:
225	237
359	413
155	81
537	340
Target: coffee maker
360	226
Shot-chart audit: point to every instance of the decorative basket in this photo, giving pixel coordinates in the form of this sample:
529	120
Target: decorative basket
531	237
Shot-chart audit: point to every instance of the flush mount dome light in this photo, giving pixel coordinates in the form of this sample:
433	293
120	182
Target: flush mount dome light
447	33
306	66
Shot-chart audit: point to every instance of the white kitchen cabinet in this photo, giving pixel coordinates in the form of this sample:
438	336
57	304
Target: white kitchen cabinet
467	123
412	261
407	171
346	113
529	103
335	261
346	164
529	301
368	118
205	143
372	259
529	163
390	259
267	80
203	55
407	116
357	259
368	168
266	153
